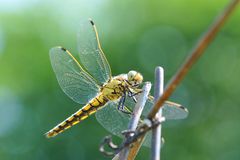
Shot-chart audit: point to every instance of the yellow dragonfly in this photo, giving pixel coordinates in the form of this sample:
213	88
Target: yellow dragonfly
90	83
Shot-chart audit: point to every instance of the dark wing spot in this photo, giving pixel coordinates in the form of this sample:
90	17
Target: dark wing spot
92	23
64	49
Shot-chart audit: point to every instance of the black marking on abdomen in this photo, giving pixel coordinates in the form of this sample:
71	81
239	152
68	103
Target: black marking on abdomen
68	123
100	103
91	105
78	116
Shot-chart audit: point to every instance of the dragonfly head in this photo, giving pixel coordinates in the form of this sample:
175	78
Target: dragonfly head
134	78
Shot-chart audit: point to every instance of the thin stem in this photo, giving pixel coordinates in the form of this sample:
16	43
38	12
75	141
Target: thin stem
156	132
136	115
197	51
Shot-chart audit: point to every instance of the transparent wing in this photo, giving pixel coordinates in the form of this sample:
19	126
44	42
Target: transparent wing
170	110
115	121
72	78
91	54
112	119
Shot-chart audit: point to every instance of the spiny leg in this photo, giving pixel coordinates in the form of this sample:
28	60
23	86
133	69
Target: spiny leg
121	106
120	103
132	95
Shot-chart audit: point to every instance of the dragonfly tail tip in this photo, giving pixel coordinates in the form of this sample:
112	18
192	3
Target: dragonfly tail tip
49	134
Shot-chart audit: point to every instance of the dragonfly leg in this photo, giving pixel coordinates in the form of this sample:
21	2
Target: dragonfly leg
125	111
123	101
120	103
132	95
121	106
134	99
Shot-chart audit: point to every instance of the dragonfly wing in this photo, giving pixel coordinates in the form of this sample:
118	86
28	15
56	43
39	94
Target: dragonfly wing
115	121
72	78
112	119
148	140
91	54
171	110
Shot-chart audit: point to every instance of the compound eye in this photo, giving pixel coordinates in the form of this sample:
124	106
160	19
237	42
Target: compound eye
131	75
138	78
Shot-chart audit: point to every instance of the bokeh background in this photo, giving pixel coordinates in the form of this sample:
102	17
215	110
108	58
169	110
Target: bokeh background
137	35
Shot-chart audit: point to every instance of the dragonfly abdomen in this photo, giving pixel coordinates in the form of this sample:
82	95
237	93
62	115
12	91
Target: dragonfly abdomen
90	108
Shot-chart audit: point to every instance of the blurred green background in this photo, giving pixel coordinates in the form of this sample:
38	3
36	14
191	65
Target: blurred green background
137	35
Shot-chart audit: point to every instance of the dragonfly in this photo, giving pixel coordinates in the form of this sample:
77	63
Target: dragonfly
90	83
